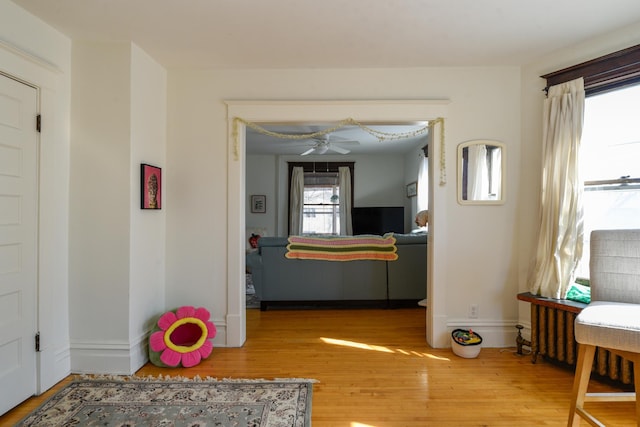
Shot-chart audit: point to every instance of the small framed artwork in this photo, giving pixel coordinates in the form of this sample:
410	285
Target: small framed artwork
412	189
258	203
150	187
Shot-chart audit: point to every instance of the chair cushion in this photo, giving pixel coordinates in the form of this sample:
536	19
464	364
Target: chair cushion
609	324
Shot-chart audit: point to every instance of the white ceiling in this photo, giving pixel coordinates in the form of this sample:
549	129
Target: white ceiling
337	33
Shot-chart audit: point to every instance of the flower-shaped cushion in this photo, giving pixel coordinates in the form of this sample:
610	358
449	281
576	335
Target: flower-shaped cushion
182	337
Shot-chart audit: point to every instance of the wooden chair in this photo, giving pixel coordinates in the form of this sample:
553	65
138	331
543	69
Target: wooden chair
612	319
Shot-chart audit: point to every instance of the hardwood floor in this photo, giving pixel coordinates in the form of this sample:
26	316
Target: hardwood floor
374	368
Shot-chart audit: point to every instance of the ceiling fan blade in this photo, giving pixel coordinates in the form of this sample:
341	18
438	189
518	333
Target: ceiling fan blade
309	151
339	149
340	139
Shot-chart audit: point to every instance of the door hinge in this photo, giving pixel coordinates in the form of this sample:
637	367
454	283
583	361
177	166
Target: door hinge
38	342
38	122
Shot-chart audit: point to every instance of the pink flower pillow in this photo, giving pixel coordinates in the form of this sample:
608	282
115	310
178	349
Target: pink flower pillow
181	338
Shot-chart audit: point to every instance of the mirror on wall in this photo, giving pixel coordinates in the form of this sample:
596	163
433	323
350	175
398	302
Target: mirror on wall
481	172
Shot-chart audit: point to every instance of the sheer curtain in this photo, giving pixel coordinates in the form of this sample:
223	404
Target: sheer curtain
296	201
495	187
561	228
478	173
422	202
344	181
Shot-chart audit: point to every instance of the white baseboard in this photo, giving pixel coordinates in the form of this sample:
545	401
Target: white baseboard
54	364
221	335
117	358
120	358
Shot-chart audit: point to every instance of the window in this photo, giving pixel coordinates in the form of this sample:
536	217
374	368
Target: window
610	145
610	164
321	208
321	202
423	180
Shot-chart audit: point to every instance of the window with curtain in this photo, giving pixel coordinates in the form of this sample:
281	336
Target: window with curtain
320	206
610	143
423	180
610	164
481	172
323	201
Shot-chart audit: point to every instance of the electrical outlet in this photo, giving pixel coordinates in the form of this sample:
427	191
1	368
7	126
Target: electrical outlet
473	311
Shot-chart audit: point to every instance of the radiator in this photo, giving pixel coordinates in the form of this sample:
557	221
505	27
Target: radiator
552	337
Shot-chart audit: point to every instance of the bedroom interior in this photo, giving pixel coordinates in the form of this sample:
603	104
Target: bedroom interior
109	105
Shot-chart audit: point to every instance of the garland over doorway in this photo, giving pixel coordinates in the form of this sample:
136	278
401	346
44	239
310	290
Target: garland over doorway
382	136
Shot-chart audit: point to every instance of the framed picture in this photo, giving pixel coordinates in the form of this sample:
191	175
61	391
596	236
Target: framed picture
412	189
258	203
150	187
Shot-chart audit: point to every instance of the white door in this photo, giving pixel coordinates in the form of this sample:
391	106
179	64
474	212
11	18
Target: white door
18	241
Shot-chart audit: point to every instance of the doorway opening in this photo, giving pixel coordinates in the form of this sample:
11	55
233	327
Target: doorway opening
310	112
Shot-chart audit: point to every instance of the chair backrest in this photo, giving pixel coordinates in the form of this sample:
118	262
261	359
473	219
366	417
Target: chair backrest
615	266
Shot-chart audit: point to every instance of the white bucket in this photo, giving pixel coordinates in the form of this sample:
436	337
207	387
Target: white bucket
466	343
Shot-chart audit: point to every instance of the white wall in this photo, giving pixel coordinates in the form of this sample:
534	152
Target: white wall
100	213
262	179
117	251
485	103
147	233
530	172
36	53
379	181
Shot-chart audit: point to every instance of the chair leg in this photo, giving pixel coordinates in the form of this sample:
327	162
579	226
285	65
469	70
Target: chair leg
636	383
581	381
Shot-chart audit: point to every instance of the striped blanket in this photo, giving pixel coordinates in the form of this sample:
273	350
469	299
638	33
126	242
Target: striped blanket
348	248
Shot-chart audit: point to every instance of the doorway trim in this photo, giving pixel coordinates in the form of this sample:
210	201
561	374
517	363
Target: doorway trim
324	111
52	85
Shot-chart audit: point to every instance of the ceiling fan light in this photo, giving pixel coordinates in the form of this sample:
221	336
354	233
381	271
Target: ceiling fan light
322	149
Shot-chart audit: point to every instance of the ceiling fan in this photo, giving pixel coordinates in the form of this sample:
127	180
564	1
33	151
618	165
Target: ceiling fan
325	143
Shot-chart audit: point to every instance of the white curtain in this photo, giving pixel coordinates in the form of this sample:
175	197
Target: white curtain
422	202
477	173
495	189
344	181
296	201
561	227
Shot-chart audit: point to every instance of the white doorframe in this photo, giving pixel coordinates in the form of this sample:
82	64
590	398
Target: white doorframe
19	240
53	84
324	111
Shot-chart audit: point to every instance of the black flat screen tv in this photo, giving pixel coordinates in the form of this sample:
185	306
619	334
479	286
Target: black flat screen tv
378	220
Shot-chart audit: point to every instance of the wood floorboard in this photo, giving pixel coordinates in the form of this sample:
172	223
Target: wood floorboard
374	369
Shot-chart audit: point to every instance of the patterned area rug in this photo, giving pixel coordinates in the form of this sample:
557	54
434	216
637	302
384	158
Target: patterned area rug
132	401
